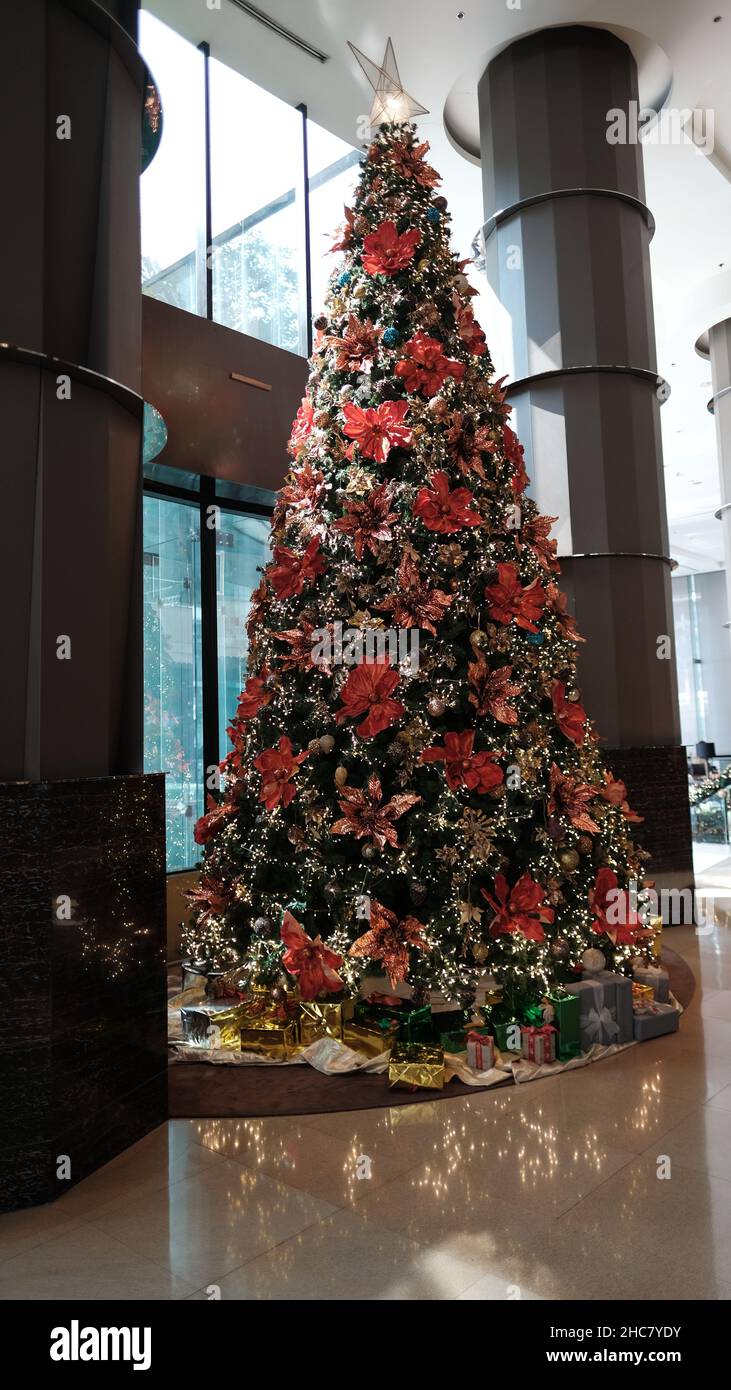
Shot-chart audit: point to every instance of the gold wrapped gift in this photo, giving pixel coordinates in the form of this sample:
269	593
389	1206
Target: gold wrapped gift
213	1025
642	997
416	1065
371	1041
276	1042
318	1019
656	929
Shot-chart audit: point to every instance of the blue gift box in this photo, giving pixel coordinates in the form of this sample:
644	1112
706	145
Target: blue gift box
658	1020
658	980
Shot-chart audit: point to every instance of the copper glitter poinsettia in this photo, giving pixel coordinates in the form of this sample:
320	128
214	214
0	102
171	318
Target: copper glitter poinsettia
490	691
356	349
478	772
535	532
569	797
210	898
521	908
557	603
312	963
365	817
345	235
468	328
414	604
426	367
369	521
213	822
291	571
615	792
385	252
614	912
301	642
302	426
254	696
388	940
368	691
408	161
378	429
303	491
467	446
277	767
515	454
508	600
570	714
444	509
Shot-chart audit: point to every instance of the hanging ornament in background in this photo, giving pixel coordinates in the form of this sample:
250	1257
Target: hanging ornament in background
391	102
586	844
593	960
435	706
560	948
326	743
263	926
369	851
417	892
480	952
341	776
569	860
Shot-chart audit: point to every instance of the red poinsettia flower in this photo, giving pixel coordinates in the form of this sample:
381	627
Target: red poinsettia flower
368	691
369	520
425	365
346	232
291	572
312	963
519	909
614	914
277	767
515	455
254	696
388	940
386	253
557	603
356	349
365	816
491	690
468	328
442	509
210	825
301	642
303	491
463	768
377	429
570	715
535	533
408	161
508	599
615	792
301	427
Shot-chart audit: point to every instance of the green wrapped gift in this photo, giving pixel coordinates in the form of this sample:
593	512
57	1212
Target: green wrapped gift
457	1040
505	1034
534	1016
415	1025
566	1008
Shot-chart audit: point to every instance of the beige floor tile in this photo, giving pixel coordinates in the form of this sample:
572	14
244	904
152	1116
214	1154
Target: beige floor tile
347	1258
22	1230
87	1264
721	1100
701	1141
212	1221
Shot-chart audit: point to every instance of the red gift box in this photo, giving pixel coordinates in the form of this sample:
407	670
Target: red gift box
539	1044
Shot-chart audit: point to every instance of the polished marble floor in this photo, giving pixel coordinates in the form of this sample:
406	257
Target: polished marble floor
609	1183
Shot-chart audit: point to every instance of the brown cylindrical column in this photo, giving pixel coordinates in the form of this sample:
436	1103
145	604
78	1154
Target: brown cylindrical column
567	252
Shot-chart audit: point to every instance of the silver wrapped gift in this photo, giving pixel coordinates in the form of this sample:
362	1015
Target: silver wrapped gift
605	1009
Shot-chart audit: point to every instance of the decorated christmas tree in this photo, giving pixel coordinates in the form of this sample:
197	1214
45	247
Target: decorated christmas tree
413	787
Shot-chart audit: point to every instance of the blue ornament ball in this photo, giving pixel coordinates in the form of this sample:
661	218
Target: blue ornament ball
344	279
390	336
433	215
535	638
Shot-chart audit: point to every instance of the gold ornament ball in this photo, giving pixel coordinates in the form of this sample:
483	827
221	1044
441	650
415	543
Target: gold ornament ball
435	706
585	845
369	851
326	743
341	776
423	265
479	951
569	860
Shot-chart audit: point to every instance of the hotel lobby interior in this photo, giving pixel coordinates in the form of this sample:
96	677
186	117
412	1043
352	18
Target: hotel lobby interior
365	763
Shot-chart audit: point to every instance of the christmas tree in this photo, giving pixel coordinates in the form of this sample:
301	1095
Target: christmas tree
414	786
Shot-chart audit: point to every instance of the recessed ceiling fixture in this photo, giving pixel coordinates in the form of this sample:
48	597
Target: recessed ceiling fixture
280	29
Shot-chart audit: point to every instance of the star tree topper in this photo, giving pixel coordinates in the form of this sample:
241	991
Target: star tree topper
391	102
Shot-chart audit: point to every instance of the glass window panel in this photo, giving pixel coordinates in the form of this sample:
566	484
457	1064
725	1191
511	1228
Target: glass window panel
334	169
242	546
172	188
172	665
257	210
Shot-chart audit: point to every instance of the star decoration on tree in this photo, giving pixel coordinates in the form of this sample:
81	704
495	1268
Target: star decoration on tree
391	102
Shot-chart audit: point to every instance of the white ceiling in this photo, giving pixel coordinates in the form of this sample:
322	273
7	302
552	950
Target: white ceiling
440	57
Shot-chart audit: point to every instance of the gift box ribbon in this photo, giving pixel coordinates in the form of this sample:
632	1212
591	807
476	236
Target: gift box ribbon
599	1023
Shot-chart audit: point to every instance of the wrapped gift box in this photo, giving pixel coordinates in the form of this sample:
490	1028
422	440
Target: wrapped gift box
642	997
657	979
597	1012
415	1024
507	1035
318	1019
370	1039
214	1024
618	997
480	1050
416	1066
275	1042
655	1021
565	1007
538	1044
